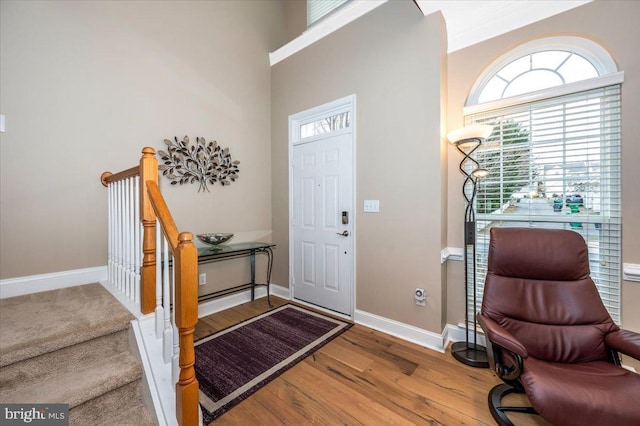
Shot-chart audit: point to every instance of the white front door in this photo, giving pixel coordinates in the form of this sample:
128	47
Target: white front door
323	222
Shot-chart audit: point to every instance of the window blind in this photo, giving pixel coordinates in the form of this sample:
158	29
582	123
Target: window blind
317	9
555	164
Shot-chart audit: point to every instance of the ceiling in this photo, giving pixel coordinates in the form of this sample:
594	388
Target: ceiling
472	21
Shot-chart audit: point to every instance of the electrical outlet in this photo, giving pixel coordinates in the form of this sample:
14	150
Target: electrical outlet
420	297
203	279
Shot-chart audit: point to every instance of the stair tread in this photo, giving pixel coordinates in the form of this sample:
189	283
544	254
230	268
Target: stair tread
122	407
38	323
71	375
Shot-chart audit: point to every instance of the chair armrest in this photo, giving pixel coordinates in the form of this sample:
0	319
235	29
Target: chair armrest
625	341
500	336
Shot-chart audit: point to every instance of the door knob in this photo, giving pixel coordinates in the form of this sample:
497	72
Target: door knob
344	233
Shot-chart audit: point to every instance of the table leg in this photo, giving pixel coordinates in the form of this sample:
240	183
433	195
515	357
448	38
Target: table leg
269	268
253	275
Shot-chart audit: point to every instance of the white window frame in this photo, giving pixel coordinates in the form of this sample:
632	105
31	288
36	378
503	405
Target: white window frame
594	53
589	50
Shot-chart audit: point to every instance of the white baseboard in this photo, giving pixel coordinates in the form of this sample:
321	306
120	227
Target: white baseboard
226	302
37	283
404	331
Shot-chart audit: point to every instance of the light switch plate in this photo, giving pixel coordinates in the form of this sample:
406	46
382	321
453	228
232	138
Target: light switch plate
372	206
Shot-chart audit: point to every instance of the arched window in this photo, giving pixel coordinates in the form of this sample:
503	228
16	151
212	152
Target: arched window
542	64
554	155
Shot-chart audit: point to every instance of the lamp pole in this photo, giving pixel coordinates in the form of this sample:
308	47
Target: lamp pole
467	141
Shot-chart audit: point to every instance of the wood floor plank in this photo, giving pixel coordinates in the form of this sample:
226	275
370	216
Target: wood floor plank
375	345
326	390
365	377
347	356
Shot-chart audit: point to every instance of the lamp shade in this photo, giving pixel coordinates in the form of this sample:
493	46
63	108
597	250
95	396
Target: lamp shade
473	133
480	173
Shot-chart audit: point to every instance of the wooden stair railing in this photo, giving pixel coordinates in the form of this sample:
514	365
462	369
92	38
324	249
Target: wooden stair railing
147	170
185	264
185	255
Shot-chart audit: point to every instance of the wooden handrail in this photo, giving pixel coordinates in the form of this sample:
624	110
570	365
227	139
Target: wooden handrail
169	228
185	253
108	177
185	256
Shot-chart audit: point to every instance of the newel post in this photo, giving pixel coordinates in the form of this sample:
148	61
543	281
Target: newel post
148	172
186	312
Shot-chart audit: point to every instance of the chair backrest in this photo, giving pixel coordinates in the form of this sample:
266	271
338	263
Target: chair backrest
538	287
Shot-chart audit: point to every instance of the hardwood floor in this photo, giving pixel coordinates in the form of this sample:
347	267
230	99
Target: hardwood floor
365	377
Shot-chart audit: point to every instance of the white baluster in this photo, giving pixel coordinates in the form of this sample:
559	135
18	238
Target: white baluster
112	236
119	235
175	367
159	307
109	234
132	238
167	333
127	236
123	236
137	226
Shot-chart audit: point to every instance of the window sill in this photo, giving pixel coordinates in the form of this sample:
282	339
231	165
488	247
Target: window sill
631	272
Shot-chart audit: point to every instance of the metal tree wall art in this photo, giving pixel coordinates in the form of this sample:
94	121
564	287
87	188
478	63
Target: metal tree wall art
202	162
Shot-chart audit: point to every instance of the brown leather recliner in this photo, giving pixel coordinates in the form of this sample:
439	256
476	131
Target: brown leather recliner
549	334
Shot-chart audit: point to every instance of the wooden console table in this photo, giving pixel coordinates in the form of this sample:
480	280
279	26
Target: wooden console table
231	251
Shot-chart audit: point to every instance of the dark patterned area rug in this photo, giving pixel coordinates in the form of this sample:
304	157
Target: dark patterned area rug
237	361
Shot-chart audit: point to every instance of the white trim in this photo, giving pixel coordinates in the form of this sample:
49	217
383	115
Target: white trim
404	331
344	15
161	397
347	103
37	283
321	309
451	253
470	22
631	272
458	333
552	92
156	372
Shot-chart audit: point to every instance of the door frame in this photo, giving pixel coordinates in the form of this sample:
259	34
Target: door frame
348	103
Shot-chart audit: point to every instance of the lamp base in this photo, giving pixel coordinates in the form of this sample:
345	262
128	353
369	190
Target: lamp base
470	354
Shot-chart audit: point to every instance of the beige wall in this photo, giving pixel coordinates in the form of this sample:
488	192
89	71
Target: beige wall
85	85
389	59
295	18
612	24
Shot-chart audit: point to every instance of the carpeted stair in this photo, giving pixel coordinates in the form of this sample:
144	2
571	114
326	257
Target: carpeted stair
71	346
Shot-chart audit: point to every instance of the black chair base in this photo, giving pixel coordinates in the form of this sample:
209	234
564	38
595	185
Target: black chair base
498	411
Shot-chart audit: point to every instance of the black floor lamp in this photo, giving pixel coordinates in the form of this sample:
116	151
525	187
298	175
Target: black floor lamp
466	140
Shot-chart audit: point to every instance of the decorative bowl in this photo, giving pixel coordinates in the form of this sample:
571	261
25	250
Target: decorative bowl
214	239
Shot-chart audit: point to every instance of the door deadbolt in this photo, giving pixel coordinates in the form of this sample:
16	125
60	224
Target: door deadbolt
344	233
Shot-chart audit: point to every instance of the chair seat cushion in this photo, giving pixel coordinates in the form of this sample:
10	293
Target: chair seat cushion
591	393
